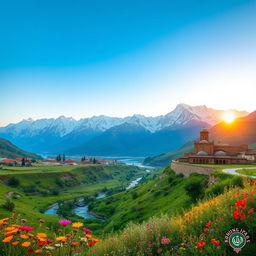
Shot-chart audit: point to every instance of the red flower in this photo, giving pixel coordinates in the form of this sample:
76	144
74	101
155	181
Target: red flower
215	242
251	210
87	230
209	224
206	229
91	243
241	204
201	244
237	214
253	182
42	243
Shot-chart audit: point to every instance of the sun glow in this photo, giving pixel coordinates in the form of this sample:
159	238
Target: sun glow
228	117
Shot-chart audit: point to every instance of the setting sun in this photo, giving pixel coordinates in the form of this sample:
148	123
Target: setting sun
228	117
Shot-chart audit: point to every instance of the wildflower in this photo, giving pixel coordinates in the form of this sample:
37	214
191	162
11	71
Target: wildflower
84	239
251	210
24	236
209	224
215	242
15	243
61	238
25	228
159	250
26	244
241	204
176	247
253	182
75	243
41	235
237	214
65	222
38	251
91	243
165	240
40	243
206	229
7	239
77	225
30	251
201	244
87	230
23	220
42	221
111	239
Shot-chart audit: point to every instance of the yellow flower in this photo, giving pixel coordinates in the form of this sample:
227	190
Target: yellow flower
77	225
24	236
61	238
26	244
7	239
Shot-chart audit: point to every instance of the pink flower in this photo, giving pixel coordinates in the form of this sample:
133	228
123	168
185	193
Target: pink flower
165	240
65	222
87	230
26	228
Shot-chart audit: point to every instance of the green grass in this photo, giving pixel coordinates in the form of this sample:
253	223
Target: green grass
78	181
165	194
251	172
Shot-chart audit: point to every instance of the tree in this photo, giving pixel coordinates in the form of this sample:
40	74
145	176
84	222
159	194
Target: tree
63	158
94	161
23	162
58	158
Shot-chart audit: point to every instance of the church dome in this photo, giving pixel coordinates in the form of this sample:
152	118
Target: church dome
202	153
220	153
203	141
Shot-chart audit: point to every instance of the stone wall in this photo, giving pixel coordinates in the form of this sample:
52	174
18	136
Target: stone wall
187	169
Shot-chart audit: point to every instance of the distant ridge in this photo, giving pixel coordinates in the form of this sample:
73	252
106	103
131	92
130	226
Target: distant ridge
8	150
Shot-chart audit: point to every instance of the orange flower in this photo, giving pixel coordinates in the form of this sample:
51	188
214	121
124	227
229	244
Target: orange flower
94	240
24	236
88	236
61	238
26	244
15	243
38	251
7	239
41	235
76	243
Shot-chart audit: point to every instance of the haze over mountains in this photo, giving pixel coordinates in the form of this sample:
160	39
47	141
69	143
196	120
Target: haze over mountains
136	135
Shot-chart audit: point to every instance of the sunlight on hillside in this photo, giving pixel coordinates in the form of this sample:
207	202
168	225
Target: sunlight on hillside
229	117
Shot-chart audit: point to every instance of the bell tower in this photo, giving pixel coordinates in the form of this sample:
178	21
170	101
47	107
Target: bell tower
204	135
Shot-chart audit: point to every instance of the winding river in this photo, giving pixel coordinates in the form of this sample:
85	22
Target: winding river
83	210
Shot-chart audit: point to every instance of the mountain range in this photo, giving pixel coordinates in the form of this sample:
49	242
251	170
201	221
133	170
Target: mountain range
135	135
241	131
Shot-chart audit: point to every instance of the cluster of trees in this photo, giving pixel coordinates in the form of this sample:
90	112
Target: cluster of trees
60	158
92	160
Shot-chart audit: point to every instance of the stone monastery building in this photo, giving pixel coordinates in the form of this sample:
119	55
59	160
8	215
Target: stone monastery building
207	152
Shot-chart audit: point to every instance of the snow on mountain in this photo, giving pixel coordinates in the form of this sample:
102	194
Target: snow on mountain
182	115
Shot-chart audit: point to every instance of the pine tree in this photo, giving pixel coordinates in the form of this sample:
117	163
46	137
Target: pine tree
23	162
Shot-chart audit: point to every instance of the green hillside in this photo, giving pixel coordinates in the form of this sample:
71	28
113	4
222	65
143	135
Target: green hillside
8	150
166	158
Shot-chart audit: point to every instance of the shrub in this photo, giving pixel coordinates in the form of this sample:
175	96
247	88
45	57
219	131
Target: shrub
8	205
13	182
194	188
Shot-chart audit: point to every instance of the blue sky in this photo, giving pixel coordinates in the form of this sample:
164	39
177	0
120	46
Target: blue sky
84	58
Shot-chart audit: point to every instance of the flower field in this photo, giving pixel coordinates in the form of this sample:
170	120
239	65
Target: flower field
199	231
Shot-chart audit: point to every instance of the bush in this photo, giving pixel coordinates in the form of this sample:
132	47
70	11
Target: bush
13	182
8	205
194	188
